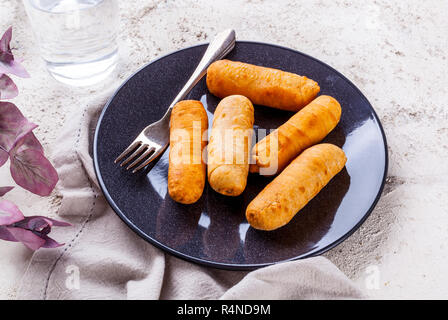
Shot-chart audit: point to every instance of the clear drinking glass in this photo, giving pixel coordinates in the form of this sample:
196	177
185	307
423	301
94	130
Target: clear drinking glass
77	38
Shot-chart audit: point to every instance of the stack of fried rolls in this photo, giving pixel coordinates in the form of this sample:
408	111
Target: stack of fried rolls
305	167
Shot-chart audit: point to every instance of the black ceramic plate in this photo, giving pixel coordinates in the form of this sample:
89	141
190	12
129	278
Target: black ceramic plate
214	231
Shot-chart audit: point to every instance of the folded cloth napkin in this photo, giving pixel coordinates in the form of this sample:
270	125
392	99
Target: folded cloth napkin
103	259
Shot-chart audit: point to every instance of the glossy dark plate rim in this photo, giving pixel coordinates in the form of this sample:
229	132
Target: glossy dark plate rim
221	265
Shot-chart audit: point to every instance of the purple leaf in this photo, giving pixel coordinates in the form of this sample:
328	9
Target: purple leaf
7	62
31	231
29	167
29	141
33	172
6	235
9	213
3	156
8	89
27	237
5	50
5	190
14	67
41	226
51	243
13	127
40	223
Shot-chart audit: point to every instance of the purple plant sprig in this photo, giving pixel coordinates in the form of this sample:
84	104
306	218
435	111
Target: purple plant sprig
7	62
31	231
29	167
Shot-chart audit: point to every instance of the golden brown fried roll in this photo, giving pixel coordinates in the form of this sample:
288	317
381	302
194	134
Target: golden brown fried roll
300	182
265	86
186	172
229	144
306	128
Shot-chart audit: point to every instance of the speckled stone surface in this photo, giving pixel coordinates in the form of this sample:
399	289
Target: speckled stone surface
394	51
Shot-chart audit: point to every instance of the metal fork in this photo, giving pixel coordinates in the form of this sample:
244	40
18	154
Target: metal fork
154	139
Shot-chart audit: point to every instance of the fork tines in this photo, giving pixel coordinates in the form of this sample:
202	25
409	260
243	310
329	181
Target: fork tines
140	152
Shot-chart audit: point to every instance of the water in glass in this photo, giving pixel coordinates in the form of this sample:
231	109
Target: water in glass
77	38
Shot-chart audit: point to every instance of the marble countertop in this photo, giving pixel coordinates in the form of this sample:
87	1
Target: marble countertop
394	51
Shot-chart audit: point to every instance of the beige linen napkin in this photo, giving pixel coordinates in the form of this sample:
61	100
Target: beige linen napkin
103	259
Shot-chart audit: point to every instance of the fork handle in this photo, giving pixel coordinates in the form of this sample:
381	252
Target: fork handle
221	45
